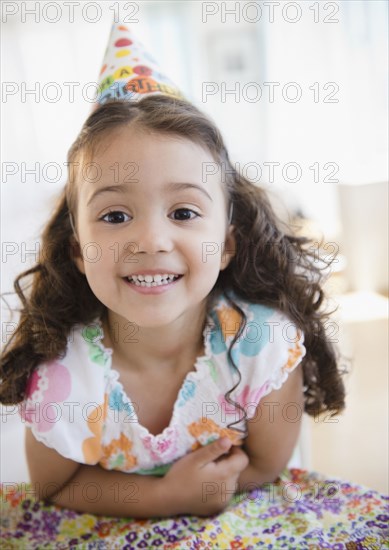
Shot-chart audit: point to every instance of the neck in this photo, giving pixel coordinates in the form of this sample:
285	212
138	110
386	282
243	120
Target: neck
169	347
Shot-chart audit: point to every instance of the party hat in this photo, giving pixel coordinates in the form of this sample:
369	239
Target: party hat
129	72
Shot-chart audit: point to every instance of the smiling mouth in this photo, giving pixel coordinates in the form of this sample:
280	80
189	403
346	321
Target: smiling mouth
152	280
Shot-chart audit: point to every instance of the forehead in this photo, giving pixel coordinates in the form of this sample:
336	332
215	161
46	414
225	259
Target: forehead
129	155
131	143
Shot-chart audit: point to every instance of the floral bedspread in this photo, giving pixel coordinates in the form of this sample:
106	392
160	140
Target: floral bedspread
300	510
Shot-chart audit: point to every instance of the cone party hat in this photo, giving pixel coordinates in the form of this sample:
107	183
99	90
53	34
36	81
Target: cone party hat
129	72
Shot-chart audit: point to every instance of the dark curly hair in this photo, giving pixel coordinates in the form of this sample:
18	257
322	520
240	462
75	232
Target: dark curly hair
271	266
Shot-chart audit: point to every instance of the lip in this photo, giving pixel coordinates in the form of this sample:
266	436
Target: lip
160	271
152	289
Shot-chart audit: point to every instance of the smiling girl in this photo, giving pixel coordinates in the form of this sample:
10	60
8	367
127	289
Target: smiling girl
173	334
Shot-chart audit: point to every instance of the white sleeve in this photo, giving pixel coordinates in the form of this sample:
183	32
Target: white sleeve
266	367
65	404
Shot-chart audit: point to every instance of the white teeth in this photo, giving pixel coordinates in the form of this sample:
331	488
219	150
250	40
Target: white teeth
152	280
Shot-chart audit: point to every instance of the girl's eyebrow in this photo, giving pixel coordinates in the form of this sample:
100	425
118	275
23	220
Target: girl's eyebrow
119	188
178	186
123	189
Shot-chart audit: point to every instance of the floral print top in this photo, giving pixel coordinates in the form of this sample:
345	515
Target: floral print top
77	405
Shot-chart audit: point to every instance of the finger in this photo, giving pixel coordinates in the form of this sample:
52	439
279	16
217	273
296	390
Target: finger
233	451
236	461
212	451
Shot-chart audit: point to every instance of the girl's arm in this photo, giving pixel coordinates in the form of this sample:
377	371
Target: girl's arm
48	470
98	491
273	432
198	483
92	489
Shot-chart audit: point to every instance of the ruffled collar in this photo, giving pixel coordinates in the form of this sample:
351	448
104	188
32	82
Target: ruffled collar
199	370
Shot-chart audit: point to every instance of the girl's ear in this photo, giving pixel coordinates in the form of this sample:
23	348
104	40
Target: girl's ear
229	248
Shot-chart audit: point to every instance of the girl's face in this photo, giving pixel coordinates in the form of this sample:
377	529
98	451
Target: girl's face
147	209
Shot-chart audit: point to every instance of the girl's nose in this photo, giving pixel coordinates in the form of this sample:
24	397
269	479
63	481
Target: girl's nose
152	236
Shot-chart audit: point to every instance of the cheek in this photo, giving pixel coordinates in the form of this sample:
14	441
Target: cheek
93	255
89	232
208	251
94	242
99	269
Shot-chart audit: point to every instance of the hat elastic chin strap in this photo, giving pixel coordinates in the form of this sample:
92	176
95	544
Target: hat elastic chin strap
72	226
231	211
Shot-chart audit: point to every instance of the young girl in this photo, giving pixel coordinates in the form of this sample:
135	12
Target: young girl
172	336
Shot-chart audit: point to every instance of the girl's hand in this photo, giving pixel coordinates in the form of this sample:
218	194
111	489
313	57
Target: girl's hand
203	482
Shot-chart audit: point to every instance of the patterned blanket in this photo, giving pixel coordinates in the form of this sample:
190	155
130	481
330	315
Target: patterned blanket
301	510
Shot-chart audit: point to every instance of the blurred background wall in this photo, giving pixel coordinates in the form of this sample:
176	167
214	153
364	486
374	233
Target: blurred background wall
299	91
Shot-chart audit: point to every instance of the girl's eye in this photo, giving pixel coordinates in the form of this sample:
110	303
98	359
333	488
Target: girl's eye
183	214
116	217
